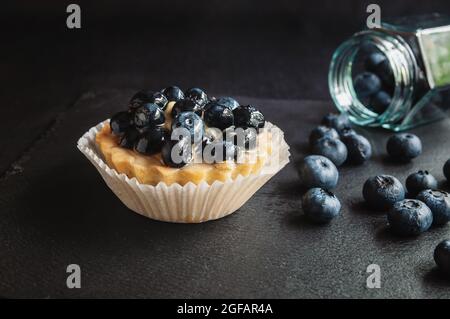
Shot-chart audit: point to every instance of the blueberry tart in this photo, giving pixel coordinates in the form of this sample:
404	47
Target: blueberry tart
183	156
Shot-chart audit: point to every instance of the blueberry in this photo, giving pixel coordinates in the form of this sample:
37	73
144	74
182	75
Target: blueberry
120	122
243	137
211	103
142	95
129	139
191	122
220	151
336	121
404	146
439	203
148	115
320	205
409	217
318	171
367	47
380	102
346	131
173	93
159	99
322	131
447	170
228	102
138	100
379	64
419	181
383	191
373	60
186	106
366	84
248	116
152	141
332	148
177	153
220	116
196	95
442	256
358	148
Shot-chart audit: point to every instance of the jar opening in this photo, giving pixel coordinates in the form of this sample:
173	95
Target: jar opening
372	78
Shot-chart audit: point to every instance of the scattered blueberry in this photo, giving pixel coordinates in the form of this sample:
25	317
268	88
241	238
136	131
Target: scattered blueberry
318	171
320	205
366	84
336	121
447	170
152	141
439	203
410	217
331	148
196	95
419	181
358	148
186	106
322	131
129	139
383	191
217	115
404	146
228	102
442	256
120	122
248	116
173	93
148	115
380	102
177	153
346	131
192	122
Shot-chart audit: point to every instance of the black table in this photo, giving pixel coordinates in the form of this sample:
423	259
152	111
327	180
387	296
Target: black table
57	211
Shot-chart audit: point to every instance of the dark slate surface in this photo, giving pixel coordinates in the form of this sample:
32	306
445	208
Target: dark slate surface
58	211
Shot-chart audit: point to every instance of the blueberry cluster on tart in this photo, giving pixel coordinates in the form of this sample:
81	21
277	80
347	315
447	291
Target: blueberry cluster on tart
141	141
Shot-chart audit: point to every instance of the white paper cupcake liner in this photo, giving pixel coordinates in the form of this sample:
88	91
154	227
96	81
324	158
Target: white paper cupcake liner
189	203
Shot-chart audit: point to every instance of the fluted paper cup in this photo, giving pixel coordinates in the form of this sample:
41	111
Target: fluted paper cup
189	203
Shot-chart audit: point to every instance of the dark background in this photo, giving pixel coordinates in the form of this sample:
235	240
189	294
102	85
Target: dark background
274	49
56	82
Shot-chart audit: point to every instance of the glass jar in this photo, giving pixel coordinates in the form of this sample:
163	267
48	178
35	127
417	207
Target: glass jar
396	76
